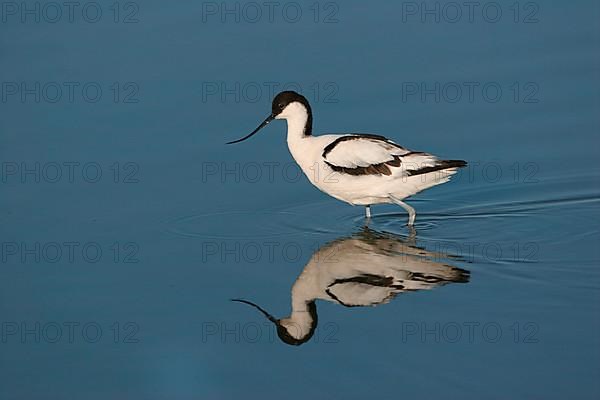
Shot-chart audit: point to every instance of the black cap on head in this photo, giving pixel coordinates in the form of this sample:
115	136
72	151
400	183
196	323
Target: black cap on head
287	338
282	100
282	332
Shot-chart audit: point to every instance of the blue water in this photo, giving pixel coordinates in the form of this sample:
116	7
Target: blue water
127	225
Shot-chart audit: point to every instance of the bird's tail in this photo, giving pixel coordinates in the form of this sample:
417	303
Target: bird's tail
426	171
439	165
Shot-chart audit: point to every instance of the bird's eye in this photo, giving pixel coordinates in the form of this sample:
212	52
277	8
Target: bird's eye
280	105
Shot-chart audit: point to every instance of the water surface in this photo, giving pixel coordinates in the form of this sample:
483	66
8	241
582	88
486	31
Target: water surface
185	223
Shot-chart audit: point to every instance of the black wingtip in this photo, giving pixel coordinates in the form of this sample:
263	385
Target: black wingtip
440	166
455	163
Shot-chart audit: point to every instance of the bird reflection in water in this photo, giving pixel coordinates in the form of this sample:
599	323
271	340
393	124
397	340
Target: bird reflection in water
367	269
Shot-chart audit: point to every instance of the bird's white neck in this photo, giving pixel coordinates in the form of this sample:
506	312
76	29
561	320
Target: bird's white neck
307	288
299	129
303	318
299	120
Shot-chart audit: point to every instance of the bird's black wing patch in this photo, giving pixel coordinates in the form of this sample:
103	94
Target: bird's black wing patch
373	169
354	136
364	279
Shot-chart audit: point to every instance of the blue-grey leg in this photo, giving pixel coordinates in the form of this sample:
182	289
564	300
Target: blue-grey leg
368	211
411	211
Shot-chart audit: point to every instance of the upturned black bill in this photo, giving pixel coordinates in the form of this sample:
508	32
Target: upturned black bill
264	123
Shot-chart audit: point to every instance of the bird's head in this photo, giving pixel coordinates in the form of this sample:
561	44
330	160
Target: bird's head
296	329
286	105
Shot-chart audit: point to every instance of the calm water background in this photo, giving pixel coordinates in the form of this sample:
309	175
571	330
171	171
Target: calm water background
184	223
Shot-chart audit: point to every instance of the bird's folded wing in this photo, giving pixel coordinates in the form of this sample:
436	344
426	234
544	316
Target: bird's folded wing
355	294
371	154
361	151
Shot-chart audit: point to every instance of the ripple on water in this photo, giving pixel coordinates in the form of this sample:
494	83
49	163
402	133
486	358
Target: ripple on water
296	220
511	225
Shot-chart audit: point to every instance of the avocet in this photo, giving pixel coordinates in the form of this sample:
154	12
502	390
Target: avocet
358	168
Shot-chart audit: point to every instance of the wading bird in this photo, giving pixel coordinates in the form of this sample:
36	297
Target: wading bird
358	168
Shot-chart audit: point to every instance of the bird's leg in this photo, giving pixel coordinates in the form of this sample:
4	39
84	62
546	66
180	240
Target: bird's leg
411	211
411	240
368	211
